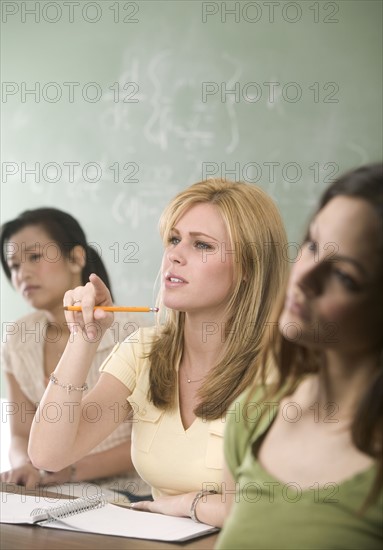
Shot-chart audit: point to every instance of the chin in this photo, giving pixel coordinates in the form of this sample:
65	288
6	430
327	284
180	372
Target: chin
33	303
38	304
295	330
286	318
171	305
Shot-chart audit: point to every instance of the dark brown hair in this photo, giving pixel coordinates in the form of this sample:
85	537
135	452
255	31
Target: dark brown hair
293	360
64	230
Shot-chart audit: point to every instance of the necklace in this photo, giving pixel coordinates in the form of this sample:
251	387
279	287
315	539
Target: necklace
189	380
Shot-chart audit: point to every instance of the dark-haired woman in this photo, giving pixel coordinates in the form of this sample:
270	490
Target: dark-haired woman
306	454
44	253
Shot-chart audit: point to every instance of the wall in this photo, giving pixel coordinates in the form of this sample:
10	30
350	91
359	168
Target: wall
116	106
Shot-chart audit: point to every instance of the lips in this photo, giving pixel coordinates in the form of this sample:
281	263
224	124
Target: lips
29	289
297	307
174	279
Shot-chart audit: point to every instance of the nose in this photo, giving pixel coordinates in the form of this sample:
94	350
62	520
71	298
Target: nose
23	273
309	275
176	255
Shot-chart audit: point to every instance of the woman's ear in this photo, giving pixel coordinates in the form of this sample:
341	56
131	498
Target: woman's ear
77	259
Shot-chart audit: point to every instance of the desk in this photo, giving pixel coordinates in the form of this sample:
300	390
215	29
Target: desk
33	537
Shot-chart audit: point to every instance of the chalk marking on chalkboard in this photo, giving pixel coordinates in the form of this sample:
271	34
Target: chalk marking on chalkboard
230	148
159	112
134	209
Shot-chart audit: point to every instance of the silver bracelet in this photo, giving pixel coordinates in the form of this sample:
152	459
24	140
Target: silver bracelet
68	387
196	499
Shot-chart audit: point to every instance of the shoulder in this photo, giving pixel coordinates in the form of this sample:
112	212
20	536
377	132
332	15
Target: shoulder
128	360
247	407
247	417
26	330
128	330
22	342
143	338
32	318
139	344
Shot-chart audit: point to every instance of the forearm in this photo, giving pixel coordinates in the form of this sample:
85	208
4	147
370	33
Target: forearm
108	463
210	509
22	471
18	451
54	441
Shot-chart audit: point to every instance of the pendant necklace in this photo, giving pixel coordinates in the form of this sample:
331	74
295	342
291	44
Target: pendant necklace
189	380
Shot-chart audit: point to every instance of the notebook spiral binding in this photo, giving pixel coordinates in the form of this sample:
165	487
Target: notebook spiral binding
71	508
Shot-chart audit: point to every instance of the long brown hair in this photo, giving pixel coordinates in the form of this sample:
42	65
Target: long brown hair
258	239
293	360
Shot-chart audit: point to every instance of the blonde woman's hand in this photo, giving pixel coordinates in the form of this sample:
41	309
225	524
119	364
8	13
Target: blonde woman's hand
211	510
178	505
94	293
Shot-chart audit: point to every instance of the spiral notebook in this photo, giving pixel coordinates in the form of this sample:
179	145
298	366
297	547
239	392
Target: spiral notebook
96	515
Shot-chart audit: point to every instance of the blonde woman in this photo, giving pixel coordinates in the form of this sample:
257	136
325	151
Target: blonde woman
223	264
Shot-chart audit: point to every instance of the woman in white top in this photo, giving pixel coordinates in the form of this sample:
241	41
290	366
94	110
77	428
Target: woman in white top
223	264
44	253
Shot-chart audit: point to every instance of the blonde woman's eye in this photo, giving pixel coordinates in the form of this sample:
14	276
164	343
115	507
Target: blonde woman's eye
203	246
173	240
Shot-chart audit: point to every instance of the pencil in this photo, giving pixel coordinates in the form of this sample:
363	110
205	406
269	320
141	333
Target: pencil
116	309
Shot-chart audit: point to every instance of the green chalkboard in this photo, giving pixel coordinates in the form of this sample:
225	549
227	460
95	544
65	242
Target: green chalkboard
111	107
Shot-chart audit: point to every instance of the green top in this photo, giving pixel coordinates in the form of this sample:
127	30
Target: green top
269	514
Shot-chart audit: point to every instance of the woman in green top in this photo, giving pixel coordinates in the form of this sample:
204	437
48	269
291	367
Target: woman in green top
305	454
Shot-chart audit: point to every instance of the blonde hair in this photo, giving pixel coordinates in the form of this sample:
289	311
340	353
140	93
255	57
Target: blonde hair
257	240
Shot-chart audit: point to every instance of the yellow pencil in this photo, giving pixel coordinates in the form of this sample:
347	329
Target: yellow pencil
116	309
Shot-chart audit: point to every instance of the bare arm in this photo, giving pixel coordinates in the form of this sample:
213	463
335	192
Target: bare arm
63	430
20	420
115	461
70	433
107	463
112	462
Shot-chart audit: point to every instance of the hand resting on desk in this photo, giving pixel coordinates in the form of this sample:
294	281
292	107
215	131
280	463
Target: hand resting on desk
31	477
210	509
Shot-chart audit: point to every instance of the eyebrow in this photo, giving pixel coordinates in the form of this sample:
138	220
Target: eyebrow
355	263
195	234
339	257
30	248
